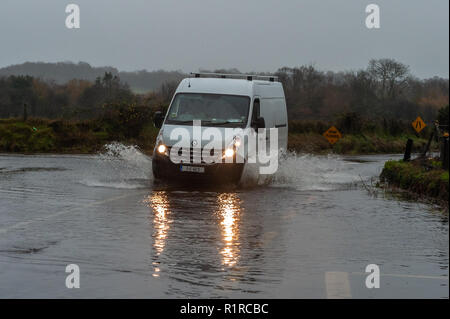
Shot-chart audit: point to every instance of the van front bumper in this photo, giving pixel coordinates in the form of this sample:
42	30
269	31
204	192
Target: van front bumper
164	169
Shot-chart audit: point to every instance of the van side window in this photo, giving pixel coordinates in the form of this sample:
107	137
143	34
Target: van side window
256	110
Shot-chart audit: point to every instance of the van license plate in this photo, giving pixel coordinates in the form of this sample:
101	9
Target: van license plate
192	169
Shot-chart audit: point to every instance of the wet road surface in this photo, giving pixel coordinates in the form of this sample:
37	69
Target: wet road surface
310	233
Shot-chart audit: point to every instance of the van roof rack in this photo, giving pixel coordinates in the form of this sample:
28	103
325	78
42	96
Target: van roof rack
249	77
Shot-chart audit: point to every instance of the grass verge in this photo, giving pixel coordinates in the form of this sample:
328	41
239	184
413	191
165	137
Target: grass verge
63	136
422	178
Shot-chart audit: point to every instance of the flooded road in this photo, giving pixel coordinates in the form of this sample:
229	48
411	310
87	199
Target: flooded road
309	234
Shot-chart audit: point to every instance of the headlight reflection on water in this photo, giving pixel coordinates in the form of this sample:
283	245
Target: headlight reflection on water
229	213
161	223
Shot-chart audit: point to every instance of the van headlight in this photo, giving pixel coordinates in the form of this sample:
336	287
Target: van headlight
162	149
229	152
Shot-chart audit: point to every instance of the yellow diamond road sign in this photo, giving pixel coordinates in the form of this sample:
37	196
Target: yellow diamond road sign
332	135
418	124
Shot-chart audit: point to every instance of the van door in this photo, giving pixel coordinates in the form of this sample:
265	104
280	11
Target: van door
281	124
256	109
268	108
269	113
256	113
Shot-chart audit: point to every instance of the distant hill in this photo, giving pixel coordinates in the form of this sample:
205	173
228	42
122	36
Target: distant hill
62	72
144	81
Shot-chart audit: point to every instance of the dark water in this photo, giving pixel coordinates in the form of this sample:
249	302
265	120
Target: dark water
314	223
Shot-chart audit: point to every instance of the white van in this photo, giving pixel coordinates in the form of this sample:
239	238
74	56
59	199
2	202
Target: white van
247	104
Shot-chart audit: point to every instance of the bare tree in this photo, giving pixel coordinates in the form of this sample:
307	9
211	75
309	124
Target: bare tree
391	75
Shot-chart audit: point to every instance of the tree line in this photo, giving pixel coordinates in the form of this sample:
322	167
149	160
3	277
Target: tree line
385	89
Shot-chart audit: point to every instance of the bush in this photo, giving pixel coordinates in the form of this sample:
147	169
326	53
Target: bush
413	177
126	119
443	116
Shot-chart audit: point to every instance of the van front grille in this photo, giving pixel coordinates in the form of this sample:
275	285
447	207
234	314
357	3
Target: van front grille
197	152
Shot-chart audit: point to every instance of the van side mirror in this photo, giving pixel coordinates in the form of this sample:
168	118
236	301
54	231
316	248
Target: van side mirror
259	123
158	119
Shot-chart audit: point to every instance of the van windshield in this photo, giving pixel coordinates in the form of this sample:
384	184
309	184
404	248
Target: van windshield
211	109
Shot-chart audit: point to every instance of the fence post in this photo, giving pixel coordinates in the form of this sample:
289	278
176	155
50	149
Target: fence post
427	146
444	153
408	149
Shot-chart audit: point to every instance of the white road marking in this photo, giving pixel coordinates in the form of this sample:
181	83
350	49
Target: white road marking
26	223
337	285
404	276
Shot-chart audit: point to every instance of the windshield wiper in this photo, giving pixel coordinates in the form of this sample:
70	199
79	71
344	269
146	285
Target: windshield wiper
223	122
169	121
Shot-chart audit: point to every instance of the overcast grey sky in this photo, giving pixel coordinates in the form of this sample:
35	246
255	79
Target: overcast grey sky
259	35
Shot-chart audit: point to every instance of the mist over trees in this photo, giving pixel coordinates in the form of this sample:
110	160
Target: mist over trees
63	72
385	89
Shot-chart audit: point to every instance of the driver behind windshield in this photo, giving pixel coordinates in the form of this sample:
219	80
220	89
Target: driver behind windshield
209	108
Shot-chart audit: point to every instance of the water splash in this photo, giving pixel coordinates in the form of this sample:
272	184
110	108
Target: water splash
125	166
129	154
314	172
120	166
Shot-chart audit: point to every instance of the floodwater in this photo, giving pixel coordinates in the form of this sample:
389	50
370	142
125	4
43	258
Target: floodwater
310	233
